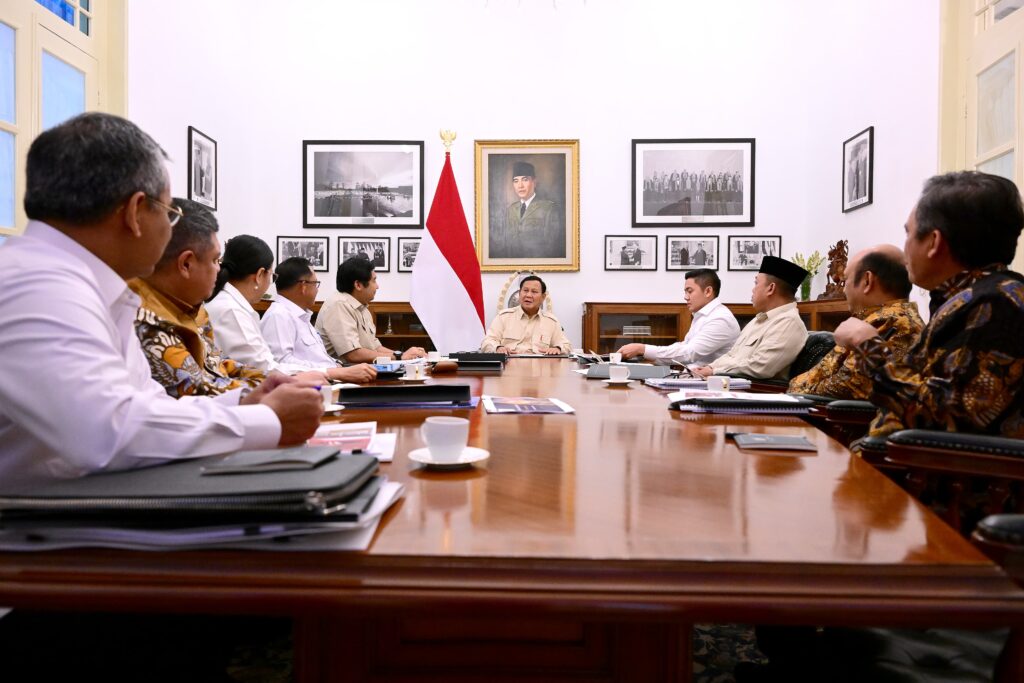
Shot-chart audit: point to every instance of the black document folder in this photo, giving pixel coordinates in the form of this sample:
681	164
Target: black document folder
178	491
454	394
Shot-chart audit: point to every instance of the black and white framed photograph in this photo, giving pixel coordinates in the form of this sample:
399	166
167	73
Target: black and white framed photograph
202	168
747	251
376	249
316	250
701	182
408	247
858	169
362	182
691	252
630	252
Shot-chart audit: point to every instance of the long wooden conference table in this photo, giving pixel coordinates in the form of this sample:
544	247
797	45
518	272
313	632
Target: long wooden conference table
585	548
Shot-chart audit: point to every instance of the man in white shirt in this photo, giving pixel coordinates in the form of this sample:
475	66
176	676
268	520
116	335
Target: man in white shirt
287	328
712	332
99	198
771	341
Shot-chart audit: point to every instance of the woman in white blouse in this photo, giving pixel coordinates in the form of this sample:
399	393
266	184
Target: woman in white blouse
246	272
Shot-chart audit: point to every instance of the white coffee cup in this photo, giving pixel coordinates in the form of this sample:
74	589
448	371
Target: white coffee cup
433	356
618	373
614	357
329	394
446	437
718	383
414	371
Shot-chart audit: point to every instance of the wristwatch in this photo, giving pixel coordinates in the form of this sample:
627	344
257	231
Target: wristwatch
397	355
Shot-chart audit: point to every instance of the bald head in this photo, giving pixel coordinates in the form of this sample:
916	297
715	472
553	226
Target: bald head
876	276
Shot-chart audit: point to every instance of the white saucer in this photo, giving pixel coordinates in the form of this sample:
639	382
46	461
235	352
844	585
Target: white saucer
412	379
469	457
617	382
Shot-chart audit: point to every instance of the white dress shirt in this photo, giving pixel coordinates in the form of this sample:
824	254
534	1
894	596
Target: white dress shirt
236	329
76	395
292	338
712	332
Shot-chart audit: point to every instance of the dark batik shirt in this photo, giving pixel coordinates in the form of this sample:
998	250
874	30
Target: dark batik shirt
966	372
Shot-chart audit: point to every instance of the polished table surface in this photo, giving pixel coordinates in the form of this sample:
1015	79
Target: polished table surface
622	510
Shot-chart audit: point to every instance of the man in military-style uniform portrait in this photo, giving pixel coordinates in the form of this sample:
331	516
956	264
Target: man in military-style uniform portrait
533	226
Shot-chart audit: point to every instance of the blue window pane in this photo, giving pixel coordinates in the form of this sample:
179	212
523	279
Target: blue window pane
6	73
6	179
62	9
84	4
1002	165
63	91
83	24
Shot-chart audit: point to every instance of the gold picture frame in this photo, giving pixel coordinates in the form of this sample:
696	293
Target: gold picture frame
545	234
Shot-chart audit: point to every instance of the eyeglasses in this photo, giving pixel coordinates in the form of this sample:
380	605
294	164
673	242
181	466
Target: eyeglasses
174	214
315	283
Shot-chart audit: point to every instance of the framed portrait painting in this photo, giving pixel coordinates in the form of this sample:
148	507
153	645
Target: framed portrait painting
362	182
701	182
202	168
747	251
527	205
408	247
376	249
630	252
858	169
691	252
315	249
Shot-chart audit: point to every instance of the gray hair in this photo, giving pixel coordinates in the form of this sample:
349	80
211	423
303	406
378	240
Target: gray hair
81	170
193	232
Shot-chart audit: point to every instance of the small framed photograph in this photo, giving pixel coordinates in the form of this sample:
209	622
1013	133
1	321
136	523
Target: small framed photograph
528	204
858	169
408	247
699	182
315	249
746	252
202	168
362	182
691	252
630	252
376	249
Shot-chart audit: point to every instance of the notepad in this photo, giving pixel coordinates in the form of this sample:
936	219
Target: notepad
777	442
276	460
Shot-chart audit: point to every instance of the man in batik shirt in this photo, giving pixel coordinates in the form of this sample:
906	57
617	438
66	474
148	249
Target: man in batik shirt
172	324
877	293
966	372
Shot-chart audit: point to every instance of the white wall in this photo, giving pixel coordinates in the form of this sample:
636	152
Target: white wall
800	76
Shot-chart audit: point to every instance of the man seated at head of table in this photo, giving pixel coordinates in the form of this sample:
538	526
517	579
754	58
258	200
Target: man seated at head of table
713	331
526	329
99	200
245	275
966	371
771	341
877	287
345	323
287	328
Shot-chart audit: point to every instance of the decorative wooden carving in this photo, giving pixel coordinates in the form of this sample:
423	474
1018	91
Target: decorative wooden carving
838	255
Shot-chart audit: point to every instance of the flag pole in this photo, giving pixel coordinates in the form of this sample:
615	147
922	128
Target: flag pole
447	137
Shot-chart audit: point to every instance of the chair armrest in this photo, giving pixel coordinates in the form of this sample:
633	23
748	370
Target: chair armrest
957	453
851	411
872	449
815	398
1005	529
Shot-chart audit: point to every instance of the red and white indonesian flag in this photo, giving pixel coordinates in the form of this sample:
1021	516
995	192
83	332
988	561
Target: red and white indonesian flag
447	294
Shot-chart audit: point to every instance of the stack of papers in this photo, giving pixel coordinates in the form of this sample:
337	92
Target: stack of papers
696	401
667	383
526	405
292	535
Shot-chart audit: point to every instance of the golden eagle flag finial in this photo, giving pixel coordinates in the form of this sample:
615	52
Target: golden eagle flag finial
448	137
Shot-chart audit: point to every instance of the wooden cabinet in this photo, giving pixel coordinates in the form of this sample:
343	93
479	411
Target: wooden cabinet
398	328
607	326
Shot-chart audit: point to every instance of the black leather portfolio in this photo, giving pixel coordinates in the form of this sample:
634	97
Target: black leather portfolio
179	491
454	394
